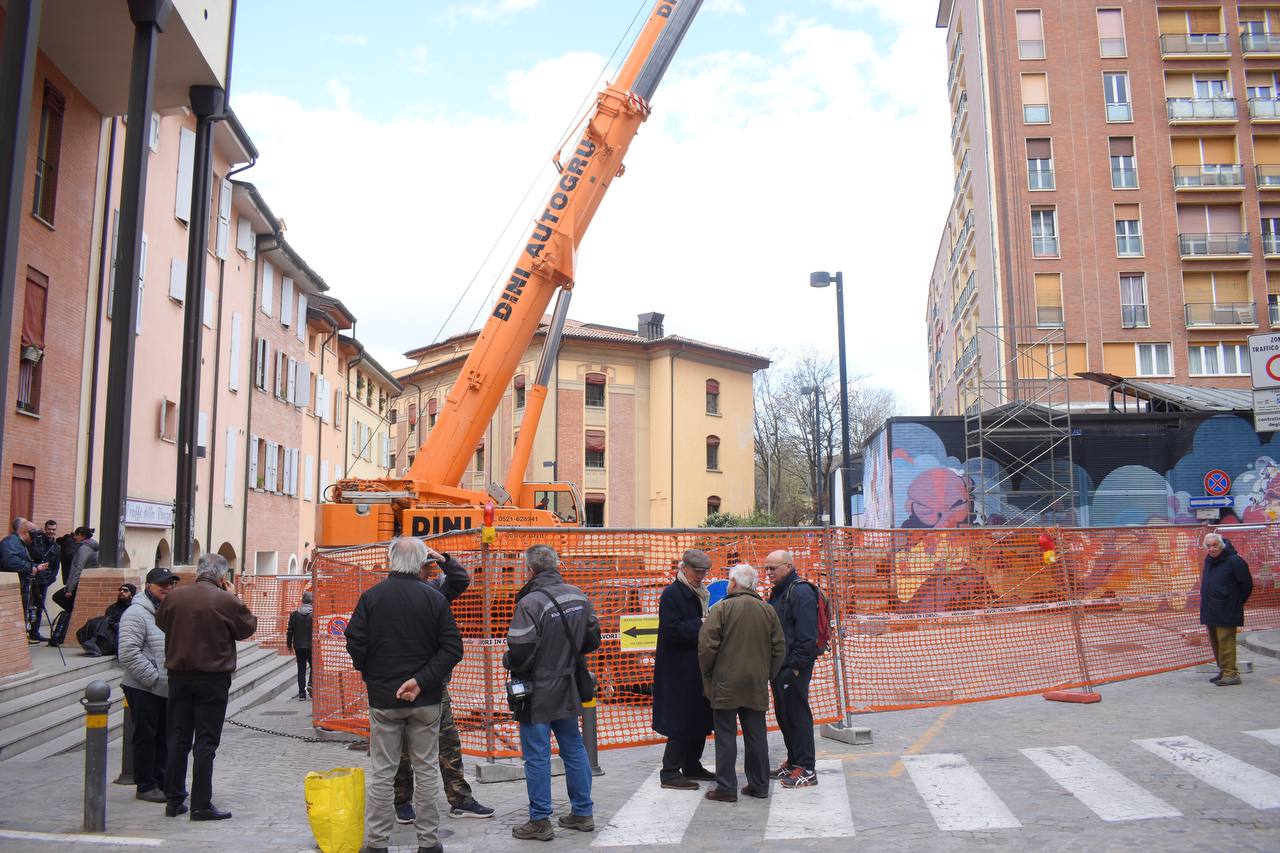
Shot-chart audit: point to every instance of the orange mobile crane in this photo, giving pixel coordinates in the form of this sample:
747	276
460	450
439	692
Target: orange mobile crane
429	499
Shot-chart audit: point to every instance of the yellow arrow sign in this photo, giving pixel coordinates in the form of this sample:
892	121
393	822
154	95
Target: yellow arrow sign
638	632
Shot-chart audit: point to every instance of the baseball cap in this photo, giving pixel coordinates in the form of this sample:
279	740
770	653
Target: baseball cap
696	558
161	575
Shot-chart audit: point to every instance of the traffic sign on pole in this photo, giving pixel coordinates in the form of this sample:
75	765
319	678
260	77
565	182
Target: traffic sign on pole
1264	360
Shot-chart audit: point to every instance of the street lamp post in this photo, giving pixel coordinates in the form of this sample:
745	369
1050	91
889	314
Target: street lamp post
823	279
817	455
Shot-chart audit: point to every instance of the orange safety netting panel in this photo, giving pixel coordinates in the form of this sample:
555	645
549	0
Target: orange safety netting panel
924	617
272	599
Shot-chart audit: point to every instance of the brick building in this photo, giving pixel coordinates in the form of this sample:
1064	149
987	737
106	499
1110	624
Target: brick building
1117	195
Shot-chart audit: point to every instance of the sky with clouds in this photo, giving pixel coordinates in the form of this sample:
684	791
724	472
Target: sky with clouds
408	148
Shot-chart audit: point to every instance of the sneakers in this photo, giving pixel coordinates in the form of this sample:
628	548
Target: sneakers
783	771
800	778
534	830
580	822
1230	682
405	813
470	809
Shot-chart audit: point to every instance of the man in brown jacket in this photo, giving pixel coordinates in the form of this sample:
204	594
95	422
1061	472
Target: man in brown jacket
201	624
740	649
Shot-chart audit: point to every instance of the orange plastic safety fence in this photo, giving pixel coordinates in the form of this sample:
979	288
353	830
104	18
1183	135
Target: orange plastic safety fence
923	616
271	599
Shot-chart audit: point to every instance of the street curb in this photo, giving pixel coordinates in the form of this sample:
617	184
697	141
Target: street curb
1248	641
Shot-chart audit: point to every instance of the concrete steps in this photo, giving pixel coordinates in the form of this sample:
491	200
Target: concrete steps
41	715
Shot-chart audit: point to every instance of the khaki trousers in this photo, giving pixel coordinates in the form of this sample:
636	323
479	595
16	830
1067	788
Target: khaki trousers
1223	640
419	729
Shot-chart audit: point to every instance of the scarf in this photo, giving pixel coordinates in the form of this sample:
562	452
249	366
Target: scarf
704	594
305	609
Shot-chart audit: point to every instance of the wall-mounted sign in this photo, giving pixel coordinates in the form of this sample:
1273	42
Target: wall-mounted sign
1264	360
140	513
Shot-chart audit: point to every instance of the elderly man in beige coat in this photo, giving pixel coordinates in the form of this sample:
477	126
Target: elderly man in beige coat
740	649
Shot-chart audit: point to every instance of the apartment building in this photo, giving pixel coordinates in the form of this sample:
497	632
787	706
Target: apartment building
1117	196
655	430
370	391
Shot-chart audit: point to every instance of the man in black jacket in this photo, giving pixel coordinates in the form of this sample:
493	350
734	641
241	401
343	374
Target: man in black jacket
43	549
1225	585
452	582
404	643
297	639
796	604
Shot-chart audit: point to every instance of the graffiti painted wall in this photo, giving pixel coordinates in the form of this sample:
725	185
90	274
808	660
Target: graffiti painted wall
1128	470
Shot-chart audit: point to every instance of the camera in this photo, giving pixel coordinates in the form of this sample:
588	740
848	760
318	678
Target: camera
519	695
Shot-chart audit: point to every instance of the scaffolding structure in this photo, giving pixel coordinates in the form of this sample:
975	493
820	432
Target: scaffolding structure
1018	427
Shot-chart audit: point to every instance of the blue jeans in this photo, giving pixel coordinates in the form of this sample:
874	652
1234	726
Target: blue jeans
535	746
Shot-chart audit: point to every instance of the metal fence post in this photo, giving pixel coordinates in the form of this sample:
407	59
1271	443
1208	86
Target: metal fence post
589	737
96	702
126	747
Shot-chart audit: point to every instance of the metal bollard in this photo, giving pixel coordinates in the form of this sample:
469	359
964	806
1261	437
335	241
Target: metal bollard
126	747
96	702
589	737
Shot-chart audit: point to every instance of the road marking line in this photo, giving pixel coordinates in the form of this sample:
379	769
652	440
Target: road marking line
1271	736
819	812
1256	787
71	837
653	815
956	795
924	740
1107	793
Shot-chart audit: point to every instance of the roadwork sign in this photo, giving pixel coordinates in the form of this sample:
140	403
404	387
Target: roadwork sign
1264	360
638	632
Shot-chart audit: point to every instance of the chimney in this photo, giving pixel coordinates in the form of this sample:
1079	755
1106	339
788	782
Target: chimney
651	326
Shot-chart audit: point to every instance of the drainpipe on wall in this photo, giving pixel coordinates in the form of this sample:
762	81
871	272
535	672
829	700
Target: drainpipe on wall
104	276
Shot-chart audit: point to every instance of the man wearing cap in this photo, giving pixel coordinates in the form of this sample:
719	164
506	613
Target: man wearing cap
146	684
680	710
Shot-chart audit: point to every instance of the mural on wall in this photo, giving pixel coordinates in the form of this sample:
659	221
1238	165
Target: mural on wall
930	485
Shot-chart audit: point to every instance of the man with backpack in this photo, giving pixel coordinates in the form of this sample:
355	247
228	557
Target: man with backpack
797	602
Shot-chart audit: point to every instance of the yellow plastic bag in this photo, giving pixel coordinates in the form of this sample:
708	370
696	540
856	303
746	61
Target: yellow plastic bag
335	807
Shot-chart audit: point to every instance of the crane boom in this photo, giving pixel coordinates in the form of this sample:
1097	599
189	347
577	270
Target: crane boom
548	258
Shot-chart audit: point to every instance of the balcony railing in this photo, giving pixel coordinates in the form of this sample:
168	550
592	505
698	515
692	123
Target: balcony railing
963	174
26	386
1268	176
1209	245
961	111
965	230
967	356
1030	49
1220	314
1264	109
1273	309
1260	42
1112	47
1134	316
969	287
956	54
1201	109
1217	175
1270	244
1035	113
1049	317
1044	247
1193	44
1124	178
1120	111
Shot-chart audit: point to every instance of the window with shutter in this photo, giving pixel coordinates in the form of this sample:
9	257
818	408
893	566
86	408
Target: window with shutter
302	317
186	171
254	481
142	281
291	393
246	240
224	220
324	480
229	470
268	286
286	301
208	308
282	374
273	465
303	396
177	279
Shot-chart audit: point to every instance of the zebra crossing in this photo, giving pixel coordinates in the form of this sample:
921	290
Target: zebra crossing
956	795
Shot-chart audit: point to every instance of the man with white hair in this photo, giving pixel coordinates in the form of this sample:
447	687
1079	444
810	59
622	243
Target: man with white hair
1225	585
201	624
741	647
404	643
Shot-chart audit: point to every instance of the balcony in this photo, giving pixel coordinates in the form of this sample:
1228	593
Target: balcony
1271	244
1220	314
1264	109
1217	245
963	175
953	69
1268	176
969	287
1049	317
962	239
1194	45
1209	176
1256	43
27	386
1201	109
967	356
1134	317
1273	310
962	110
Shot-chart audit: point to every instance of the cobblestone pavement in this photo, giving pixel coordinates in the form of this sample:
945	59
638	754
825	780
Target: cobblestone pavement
259	778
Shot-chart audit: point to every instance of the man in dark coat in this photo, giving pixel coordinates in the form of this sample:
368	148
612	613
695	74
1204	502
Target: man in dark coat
680	711
1225	585
297	639
796	603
